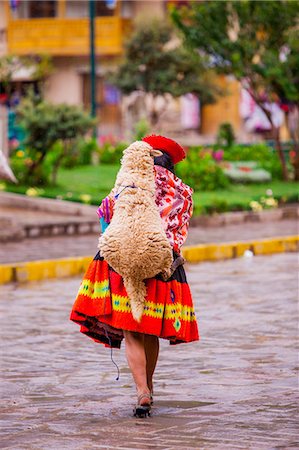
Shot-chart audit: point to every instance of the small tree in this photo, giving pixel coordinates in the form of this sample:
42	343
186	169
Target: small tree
253	40
46	124
157	64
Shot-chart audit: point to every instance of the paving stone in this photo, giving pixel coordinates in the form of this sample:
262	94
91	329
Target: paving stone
235	389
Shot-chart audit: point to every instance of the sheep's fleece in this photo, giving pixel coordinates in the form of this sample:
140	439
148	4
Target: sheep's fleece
135	244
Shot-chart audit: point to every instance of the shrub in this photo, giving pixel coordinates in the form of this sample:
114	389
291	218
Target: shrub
111	153
141	129
261	153
226	135
22	161
46	125
255	152
81	154
201	172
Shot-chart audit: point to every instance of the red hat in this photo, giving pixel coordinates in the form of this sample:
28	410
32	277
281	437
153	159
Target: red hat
169	146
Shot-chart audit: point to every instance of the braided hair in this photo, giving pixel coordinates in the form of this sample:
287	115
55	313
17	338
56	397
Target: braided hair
164	161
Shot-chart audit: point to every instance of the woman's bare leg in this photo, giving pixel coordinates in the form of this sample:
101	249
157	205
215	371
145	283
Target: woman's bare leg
151	345
136	356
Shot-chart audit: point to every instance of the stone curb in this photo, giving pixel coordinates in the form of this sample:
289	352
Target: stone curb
230	250
66	267
50	205
239	217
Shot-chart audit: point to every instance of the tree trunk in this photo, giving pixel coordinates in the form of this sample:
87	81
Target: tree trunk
36	164
280	152
293	127
278	146
296	168
155	111
295	161
275	131
58	162
55	169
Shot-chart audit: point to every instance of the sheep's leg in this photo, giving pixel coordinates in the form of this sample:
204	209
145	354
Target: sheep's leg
136	291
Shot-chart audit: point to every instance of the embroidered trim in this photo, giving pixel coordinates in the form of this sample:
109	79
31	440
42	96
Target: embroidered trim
94	289
155	310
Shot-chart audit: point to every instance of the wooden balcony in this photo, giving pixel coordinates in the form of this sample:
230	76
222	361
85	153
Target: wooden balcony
65	36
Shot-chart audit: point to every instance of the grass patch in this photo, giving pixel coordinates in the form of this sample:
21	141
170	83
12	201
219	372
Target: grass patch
73	184
95	182
238	196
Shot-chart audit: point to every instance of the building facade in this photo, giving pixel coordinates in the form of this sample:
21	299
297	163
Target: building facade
60	29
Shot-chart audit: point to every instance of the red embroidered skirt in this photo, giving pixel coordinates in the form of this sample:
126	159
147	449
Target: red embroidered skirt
102	307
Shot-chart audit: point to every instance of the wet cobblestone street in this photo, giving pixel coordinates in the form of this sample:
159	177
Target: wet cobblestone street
66	246
235	389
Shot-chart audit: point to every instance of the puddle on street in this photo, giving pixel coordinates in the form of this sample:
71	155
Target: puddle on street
182	404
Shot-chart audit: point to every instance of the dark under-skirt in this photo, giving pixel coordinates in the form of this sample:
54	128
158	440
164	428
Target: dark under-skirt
102	307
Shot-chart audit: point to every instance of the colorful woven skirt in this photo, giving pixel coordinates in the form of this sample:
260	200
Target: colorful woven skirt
102	307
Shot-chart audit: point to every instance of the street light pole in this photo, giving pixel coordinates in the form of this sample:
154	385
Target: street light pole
92	58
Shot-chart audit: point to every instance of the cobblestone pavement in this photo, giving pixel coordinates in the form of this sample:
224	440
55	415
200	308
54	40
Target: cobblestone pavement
65	246
235	389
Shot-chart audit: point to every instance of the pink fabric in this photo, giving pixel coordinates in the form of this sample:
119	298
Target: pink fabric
105	210
174	200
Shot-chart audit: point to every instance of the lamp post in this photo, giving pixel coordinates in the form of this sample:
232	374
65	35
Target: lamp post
92	59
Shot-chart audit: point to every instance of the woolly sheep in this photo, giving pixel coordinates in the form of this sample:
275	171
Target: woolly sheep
135	244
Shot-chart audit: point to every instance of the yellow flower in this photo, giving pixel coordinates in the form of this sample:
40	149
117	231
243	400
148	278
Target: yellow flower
255	206
32	192
2	186
20	153
271	202
85	198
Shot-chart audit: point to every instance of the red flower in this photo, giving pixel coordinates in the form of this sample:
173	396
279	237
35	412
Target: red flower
245	169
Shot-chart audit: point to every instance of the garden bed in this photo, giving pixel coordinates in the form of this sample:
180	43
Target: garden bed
89	184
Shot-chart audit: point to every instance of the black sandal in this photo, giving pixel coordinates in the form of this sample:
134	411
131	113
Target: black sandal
143	410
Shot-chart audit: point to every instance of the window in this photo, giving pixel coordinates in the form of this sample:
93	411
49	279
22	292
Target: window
34	9
80	8
45	8
105	7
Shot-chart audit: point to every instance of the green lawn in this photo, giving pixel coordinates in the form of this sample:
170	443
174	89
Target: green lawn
238	196
96	182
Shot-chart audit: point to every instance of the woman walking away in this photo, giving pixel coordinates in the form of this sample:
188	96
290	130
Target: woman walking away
102	307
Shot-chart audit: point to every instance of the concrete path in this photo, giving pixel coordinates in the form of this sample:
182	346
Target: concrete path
66	246
235	389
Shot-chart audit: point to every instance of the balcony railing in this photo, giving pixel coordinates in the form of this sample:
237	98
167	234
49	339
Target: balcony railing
65	37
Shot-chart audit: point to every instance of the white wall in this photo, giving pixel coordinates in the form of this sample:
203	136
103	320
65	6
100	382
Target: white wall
64	85
77	8
149	9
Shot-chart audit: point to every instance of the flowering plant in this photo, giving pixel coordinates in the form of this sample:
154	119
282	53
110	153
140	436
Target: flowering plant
267	202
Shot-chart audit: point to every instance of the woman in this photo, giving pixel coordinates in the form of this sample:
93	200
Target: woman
102	307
